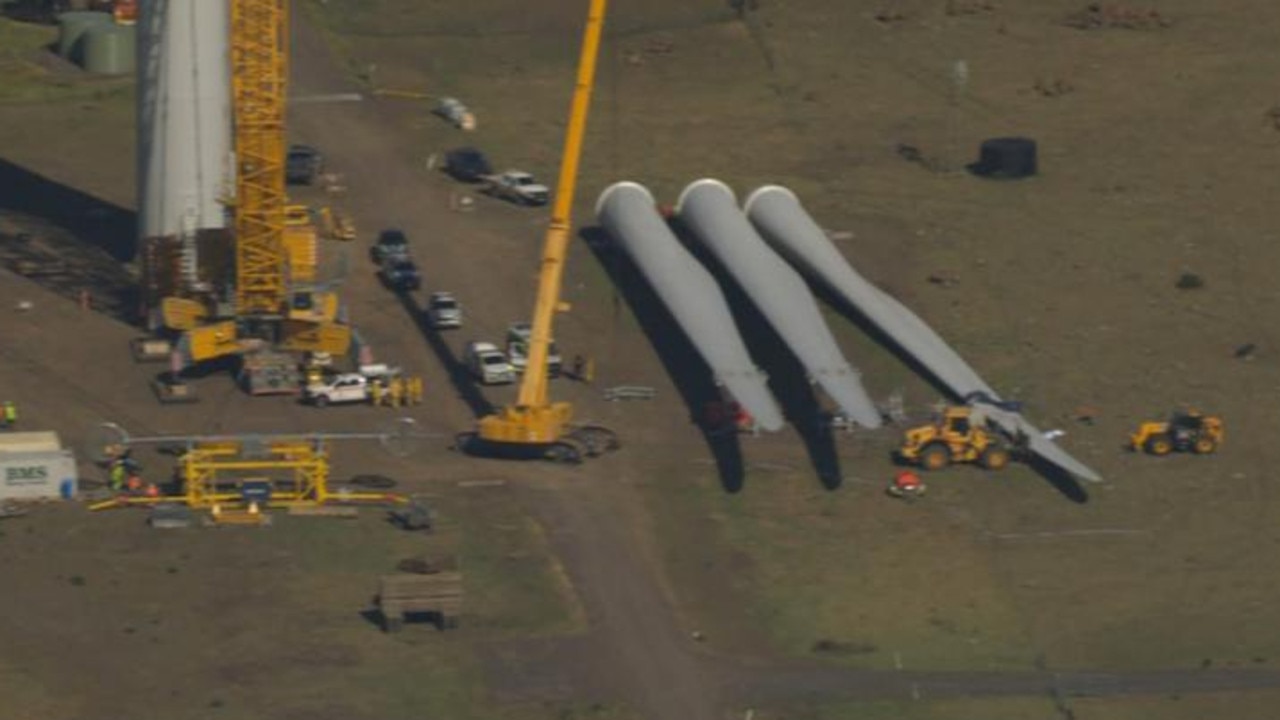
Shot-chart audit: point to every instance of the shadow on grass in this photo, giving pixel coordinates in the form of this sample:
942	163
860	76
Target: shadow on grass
69	242
374	617
92	221
788	378
688	371
1060	479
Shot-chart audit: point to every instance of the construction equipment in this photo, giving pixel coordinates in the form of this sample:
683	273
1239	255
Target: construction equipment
535	427
1186	431
239	472
958	435
271	304
337	225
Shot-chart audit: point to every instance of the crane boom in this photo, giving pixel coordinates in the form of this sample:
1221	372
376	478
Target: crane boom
533	388
259	73
533	422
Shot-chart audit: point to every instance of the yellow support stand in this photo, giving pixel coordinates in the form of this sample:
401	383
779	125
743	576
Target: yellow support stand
249	474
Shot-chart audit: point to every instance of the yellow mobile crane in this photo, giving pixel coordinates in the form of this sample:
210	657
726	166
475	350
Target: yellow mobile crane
535	427
267	310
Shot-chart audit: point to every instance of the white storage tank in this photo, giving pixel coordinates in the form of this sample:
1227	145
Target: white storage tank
71	29
110	49
35	466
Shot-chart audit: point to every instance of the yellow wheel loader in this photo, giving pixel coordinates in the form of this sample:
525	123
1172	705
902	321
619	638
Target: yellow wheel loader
957	436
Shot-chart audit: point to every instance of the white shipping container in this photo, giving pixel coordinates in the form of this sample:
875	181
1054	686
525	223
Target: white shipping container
37	475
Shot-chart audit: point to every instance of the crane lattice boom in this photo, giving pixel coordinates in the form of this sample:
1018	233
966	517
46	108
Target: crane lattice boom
259	73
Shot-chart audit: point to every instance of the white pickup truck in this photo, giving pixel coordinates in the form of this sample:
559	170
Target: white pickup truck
488	364
517	186
344	388
349	387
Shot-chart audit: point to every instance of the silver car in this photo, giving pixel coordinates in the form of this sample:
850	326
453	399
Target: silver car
444	311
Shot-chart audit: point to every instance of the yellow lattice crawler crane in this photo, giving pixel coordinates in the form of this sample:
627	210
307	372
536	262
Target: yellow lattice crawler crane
957	436
271	306
1187	431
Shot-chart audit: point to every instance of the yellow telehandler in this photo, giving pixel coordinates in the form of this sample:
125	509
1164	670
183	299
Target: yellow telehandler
1186	431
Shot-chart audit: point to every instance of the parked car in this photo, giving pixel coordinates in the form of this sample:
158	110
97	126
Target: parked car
488	364
467	164
400	273
391	243
518	335
517	186
344	388
302	165
443	310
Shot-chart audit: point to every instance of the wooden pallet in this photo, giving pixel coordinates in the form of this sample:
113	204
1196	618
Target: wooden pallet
438	594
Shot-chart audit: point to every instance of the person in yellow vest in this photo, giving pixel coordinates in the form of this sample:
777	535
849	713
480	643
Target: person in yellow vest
375	393
10	414
395	392
118	474
414	388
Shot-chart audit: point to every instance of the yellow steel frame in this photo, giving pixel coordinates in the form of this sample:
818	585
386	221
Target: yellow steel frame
298	471
259	73
532	419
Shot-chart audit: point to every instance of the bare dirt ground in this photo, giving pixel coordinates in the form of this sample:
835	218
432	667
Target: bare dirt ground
814	597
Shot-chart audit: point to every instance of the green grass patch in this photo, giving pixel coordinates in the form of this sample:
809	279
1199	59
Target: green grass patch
845	576
407	18
1243	704
514	583
987	709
